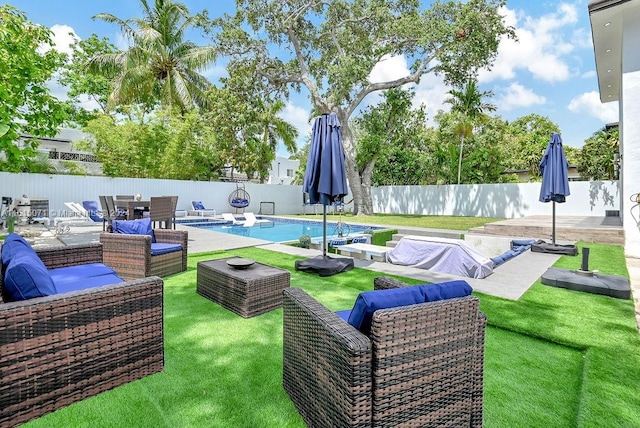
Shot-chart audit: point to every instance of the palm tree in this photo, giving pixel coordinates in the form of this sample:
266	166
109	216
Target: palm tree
159	65
469	105
276	129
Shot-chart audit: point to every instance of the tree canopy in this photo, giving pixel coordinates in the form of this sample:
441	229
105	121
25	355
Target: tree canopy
331	48
160	65
27	107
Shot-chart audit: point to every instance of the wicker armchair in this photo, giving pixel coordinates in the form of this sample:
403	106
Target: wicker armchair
61	349
422	365
130	255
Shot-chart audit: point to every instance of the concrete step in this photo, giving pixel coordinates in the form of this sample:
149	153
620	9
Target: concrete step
437	233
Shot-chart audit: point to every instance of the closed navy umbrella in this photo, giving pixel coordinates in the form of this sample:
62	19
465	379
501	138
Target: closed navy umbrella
325	181
555	177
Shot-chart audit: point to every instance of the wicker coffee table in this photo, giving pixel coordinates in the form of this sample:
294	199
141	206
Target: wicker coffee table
247	292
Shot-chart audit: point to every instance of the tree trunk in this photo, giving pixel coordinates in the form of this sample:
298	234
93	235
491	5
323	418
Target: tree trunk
360	186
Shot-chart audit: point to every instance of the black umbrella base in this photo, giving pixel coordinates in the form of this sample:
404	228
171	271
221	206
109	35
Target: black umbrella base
325	265
588	281
548	247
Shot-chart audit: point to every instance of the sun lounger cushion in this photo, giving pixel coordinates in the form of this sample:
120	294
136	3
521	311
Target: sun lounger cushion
134	227
159	248
370	301
198	205
93	209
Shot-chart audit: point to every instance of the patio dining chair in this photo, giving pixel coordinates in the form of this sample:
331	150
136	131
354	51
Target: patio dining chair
161	211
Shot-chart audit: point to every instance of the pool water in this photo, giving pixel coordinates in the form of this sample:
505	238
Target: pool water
277	230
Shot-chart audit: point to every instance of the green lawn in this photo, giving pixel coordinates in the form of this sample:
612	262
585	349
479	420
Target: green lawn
555	358
428	221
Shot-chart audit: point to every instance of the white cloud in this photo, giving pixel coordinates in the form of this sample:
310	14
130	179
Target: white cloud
298	117
432	92
516	95
389	68
63	37
540	48
589	103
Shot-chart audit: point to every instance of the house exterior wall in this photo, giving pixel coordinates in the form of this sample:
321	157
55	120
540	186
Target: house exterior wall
630	131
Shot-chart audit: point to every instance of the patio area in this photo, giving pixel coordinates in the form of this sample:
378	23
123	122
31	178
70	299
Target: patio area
215	360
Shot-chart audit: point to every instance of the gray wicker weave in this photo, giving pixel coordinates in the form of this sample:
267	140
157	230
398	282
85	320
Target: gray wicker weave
421	367
130	255
247	292
61	349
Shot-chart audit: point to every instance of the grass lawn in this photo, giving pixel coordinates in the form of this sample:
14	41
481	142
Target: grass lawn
555	358
427	221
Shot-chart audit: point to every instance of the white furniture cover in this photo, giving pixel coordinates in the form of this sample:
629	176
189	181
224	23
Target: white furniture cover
444	255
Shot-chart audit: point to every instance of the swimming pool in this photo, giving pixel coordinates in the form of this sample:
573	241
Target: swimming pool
277	229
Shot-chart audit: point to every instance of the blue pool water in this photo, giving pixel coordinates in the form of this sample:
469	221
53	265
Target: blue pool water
277	230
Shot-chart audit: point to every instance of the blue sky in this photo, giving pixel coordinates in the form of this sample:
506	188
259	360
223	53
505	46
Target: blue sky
550	70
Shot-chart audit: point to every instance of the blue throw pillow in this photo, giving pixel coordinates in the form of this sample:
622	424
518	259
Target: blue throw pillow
197	205
27	277
370	301
445	290
93	209
14	245
134	227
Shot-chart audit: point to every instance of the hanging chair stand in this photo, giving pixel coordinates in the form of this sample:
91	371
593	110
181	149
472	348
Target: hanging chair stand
239	198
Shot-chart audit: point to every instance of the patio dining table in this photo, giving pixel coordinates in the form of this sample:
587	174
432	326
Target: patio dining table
131	205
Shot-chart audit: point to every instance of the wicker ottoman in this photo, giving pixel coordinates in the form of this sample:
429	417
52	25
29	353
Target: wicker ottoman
247	292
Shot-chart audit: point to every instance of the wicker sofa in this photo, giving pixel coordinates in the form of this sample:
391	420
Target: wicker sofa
63	348
422	364
130	255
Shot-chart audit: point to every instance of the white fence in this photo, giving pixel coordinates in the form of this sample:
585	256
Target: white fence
487	200
511	200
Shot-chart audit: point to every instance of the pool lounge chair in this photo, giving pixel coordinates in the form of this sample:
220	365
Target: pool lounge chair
228	217
79	216
200	210
251	217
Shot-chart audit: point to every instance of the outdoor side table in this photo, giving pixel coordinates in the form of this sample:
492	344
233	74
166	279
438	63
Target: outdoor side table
247	292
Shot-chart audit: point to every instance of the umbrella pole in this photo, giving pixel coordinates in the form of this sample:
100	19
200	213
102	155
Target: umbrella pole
553	224
324	231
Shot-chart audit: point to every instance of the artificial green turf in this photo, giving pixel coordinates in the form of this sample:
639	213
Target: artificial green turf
555	358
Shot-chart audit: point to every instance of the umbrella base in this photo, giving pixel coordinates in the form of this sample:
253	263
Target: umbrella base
325	265
551	248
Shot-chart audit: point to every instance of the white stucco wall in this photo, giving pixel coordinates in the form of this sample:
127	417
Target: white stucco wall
488	200
511	200
630	132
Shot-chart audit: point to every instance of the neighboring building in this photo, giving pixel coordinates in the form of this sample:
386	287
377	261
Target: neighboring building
60	148
615	28
283	171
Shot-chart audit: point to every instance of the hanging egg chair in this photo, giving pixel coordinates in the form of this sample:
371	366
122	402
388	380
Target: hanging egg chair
239	198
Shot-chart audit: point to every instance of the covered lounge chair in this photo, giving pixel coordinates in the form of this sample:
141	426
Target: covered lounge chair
200	210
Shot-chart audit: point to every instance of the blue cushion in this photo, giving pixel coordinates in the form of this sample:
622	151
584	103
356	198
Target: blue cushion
84	283
74	273
27	277
497	260
159	248
134	227
93	209
522	242
370	301
445	290
13	245
344	314
197	205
